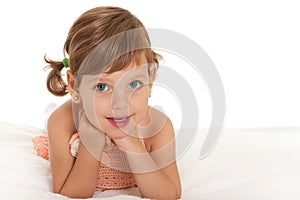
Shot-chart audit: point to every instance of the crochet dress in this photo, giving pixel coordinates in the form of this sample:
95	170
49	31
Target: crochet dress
108	177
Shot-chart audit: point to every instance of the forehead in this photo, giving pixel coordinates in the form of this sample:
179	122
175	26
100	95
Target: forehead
133	70
127	61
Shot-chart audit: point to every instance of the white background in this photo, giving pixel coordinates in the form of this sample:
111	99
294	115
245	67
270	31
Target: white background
255	46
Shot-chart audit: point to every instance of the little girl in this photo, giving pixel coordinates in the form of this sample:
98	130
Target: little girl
107	136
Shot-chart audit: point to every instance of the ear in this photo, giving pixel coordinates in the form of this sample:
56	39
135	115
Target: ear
71	82
76	97
152	73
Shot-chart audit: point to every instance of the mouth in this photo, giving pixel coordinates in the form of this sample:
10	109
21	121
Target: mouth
119	122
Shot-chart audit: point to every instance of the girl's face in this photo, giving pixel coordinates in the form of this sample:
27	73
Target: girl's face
119	99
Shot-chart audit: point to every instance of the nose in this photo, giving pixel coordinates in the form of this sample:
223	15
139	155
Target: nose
119	100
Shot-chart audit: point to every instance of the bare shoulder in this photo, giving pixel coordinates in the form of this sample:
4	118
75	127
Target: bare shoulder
162	131
60	129
61	120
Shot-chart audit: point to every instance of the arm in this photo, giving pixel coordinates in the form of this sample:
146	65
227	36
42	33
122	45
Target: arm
151	183
71	177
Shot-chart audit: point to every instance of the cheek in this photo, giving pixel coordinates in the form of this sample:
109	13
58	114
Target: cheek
139	102
102	109
102	105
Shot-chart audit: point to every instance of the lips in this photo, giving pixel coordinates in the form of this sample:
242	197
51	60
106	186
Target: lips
119	122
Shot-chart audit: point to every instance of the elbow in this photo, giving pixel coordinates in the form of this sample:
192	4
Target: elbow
168	194
178	195
174	194
75	195
56	189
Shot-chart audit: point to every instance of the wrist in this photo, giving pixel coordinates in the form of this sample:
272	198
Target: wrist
130	144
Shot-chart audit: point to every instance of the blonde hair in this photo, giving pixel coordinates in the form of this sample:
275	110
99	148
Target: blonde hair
89	30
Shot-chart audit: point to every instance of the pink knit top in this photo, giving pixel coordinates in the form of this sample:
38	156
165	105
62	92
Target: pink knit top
108	177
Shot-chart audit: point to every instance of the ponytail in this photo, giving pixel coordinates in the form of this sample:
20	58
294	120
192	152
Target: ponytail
55	84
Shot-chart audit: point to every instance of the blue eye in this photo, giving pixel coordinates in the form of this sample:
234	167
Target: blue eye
134	84
101	87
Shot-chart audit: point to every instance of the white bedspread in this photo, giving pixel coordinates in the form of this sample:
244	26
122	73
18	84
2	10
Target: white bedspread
246	164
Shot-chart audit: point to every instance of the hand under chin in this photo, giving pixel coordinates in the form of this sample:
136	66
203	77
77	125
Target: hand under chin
130	144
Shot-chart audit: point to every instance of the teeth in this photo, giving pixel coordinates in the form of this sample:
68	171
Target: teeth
118	120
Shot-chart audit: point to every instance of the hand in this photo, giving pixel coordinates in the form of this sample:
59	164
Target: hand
131	142
92	138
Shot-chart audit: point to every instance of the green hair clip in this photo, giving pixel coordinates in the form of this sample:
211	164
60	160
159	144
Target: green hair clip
65	62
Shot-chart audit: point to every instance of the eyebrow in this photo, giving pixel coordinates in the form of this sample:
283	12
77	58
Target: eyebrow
104	79
134	76
140	76
92	79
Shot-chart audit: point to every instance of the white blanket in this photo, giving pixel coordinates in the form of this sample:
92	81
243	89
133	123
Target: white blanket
246	164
